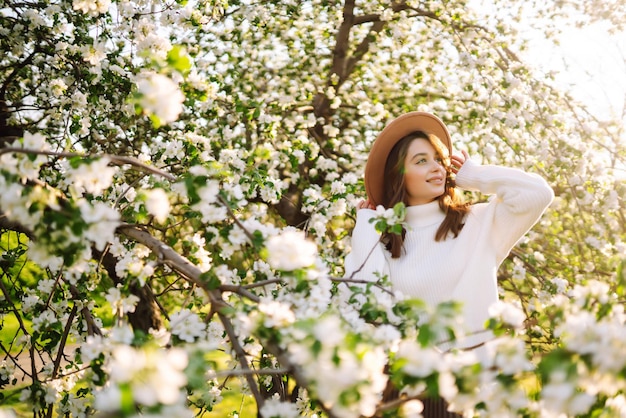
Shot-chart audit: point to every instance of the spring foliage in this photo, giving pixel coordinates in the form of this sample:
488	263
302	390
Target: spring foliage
178	180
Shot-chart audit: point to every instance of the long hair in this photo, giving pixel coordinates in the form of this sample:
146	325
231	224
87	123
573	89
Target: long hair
395	192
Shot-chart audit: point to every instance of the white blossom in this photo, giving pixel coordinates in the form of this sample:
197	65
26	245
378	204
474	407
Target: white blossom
44	319
46	286
274	408
290	250
155	376
211	213
187	325
160	96
40	255
6	370
617	404
35	141
92	7
277	314
94	54
508	313
509	355
121	304
30	300
92	348
121	333
93	177
559	394
157	204
102	220
447	385
337	187
412	409
420	362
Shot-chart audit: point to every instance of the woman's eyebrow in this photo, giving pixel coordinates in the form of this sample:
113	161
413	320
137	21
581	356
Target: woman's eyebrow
419	154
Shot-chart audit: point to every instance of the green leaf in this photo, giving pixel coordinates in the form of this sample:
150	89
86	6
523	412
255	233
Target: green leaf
559	359
257	239
425	335
156	121
396	229
178	59
75	161
400	210
127	405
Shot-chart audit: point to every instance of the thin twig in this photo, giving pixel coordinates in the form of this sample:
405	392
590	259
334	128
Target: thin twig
261	283
240	290
232	373
365	261
66	333
360	281
8	298
241	356
232	215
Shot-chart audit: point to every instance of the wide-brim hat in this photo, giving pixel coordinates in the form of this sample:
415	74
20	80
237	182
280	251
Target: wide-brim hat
388	137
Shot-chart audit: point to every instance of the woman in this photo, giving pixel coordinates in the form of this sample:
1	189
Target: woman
450	250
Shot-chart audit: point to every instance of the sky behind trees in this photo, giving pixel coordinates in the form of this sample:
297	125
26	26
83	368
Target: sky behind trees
592	62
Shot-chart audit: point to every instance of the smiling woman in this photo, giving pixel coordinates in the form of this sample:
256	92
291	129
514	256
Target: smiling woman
447	248
424	171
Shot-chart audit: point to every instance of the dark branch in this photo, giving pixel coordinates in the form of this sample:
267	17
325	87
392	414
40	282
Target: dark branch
117	160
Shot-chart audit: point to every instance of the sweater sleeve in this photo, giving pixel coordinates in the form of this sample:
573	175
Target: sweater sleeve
520	200
366	260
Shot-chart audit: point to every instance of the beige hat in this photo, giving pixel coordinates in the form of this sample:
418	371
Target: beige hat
388	137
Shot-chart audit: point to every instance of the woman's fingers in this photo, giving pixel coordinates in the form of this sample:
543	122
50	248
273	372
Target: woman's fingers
365	204
457	161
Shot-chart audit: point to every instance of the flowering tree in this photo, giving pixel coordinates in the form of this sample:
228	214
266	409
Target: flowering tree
178	183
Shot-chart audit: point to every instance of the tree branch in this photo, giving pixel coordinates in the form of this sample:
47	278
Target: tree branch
115	159
301	380
240	290
66	333
188	270
31	348
241	357
8	224
262	372
362	49
343	40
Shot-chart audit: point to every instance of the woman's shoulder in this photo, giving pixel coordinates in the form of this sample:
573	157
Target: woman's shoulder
477	210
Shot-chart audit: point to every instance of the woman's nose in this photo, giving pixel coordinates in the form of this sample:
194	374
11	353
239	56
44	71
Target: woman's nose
437	166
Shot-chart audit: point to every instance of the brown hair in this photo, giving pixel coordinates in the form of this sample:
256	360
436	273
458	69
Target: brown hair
395	192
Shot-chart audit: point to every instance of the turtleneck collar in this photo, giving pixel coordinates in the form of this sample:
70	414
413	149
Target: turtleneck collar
424	215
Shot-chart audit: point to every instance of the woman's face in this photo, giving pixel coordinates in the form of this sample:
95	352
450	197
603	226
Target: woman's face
425	174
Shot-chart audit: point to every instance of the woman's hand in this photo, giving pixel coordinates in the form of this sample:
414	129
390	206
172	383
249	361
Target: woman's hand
457	161
365	204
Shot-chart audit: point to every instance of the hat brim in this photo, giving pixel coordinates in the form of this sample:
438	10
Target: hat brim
388	137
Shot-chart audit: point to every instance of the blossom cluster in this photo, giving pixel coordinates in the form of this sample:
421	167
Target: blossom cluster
178	198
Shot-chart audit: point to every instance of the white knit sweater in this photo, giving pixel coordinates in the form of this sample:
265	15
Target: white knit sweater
463	268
